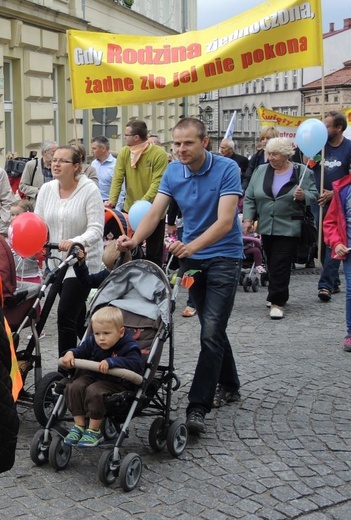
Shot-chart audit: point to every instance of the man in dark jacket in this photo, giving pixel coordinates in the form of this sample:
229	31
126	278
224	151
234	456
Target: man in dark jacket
226	148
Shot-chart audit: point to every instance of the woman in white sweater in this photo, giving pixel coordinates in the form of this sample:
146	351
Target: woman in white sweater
72	208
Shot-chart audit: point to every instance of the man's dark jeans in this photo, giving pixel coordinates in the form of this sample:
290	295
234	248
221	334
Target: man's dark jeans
213	295
329	278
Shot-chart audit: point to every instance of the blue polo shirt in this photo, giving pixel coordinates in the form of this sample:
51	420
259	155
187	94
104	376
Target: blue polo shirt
197	195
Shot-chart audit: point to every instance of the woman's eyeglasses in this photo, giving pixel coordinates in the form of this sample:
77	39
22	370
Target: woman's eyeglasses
61	161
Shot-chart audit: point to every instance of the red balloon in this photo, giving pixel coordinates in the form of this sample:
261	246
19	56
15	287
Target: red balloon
27	234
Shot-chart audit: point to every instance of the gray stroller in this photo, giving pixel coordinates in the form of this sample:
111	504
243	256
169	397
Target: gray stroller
143	293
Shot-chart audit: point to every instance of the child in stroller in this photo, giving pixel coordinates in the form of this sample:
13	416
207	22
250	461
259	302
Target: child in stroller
253	264
113	347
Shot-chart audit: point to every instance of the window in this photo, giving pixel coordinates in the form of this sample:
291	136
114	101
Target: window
262	85
8	107
55	103
294	79
226	119
276	82
286	81
208	118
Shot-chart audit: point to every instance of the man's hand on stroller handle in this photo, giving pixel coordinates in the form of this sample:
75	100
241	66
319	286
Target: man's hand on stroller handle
124	243
179	249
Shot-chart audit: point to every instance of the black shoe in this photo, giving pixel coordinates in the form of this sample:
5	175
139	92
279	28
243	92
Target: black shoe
324	294
223	396
195	421
336	290
310	265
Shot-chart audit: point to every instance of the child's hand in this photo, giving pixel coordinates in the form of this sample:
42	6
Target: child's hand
81	255
68	360
103	367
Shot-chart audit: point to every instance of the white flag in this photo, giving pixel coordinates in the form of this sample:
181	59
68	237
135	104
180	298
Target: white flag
230	130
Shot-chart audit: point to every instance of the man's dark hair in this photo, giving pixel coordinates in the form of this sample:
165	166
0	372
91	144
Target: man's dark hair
101	140
139	128
338	119
186	122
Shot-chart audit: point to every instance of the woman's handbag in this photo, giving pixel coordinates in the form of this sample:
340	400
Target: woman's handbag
309	232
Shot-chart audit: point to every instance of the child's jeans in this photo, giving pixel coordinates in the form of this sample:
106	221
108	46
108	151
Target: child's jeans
347	273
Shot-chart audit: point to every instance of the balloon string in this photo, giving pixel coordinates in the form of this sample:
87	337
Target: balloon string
303	175
299	186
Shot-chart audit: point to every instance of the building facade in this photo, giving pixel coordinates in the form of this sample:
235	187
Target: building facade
283	92
35	95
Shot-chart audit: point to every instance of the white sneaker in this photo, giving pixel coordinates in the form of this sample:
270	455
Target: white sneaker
42	335
276	313
268	304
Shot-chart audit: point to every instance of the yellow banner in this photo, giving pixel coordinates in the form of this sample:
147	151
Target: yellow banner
287	125
113	69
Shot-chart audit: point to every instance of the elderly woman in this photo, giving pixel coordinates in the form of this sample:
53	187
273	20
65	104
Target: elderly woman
276	196
73	210
260	157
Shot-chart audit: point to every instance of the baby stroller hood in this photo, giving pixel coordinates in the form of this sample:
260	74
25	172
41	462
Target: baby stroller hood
140	287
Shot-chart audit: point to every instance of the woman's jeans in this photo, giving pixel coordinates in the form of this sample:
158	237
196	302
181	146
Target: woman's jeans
213	295
347	273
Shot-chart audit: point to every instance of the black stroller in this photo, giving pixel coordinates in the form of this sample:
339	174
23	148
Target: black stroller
22	311
143	293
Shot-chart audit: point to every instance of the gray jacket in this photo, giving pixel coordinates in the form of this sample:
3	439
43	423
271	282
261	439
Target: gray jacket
281	215
31	182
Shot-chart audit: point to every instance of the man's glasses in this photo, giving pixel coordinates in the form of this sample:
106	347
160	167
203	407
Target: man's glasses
61	161
129	135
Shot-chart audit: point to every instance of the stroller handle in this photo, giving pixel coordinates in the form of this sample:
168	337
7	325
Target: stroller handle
122	373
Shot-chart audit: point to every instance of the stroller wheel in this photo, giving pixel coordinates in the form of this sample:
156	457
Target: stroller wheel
108	469
255	284
108	429
39	450
177	438
45	398
130	471
157	434
246	284
59	453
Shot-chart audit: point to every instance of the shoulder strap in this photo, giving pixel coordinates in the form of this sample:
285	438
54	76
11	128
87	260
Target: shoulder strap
35	169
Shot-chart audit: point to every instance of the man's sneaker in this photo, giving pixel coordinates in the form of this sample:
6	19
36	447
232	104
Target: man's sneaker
195	421
90	439
74	435
347	343
223	396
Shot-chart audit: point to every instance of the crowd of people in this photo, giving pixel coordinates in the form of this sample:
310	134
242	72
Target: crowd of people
201	194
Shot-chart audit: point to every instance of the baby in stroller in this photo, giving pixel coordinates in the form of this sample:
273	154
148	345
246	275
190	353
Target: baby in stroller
113	347
253	247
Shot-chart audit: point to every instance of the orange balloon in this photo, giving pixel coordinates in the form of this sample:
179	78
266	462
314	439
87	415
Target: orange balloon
27	234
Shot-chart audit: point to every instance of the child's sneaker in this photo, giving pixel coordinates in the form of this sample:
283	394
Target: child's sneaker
347	343
260	269
90	439
74	435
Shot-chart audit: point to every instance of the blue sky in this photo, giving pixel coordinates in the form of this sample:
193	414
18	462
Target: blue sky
211	12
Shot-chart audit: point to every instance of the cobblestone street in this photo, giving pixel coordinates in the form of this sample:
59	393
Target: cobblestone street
282	452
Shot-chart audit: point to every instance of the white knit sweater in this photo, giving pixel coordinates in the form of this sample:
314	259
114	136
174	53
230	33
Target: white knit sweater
79	218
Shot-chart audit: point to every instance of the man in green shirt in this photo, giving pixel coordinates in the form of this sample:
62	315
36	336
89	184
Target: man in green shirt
141	164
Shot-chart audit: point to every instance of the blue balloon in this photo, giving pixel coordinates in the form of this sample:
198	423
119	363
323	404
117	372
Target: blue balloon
311	136
137	212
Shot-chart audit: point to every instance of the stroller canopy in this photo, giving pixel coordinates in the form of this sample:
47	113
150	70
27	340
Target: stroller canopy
140	287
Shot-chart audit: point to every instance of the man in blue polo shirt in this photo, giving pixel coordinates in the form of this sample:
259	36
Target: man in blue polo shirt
206	188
